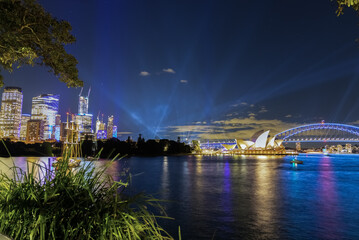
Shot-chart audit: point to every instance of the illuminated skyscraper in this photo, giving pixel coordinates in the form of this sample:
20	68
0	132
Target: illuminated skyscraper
110	127
83	118
85	123
114	134
57	128
101	132
84	103
45	107
10	115
100	125
24	119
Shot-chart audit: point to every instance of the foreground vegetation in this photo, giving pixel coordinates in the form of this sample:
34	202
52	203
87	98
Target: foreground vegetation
86	203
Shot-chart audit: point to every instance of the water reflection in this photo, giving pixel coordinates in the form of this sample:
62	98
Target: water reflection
246	197
328	217
36	165
165	183
266	197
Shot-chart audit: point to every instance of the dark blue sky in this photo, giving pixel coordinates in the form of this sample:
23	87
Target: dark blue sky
207	68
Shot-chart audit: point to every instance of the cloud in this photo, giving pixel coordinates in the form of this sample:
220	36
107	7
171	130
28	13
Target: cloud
124	133
288	116
232	128
263	110
244	103
199	122
144	74
251	115
169	70
184	81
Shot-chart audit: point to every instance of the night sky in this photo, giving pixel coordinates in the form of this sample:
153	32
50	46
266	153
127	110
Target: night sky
206	69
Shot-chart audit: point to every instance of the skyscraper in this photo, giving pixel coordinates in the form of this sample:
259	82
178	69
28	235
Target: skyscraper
101	132
45	107
57	128
110	127
84	103
83	118
10	115
114	133
85	123
24	119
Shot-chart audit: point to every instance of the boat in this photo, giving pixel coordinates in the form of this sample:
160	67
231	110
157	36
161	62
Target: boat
296	161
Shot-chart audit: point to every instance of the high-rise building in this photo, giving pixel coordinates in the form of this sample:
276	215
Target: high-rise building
45	107
10	115
83	118
23	129
84	103
100	125
85	123
57	128
114	134
35	130
110	127
101	132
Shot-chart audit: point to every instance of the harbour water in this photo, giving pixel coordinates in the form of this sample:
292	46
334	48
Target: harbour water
248	197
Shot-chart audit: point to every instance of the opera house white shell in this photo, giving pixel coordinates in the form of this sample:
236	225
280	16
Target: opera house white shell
261	143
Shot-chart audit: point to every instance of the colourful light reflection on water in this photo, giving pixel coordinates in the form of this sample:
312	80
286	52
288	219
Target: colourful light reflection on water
249	197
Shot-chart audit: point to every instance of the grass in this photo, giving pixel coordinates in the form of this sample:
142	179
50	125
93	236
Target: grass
85	203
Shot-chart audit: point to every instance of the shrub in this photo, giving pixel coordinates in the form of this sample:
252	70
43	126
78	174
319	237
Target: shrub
84	203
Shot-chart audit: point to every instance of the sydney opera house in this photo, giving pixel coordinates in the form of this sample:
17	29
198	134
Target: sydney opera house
260	144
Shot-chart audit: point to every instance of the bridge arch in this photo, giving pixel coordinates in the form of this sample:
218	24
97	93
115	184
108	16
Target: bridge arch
318	132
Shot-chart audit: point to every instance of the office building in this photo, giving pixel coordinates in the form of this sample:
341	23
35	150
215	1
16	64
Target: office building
114	133
35	130
83	118
45	107
85	124
100	125
83	103
57	128
110	127
10	115
23	129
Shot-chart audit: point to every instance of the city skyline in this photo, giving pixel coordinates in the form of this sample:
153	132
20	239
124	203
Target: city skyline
207	69
45	122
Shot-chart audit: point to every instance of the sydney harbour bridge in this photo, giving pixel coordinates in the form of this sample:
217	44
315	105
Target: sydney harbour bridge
321	132
317	132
